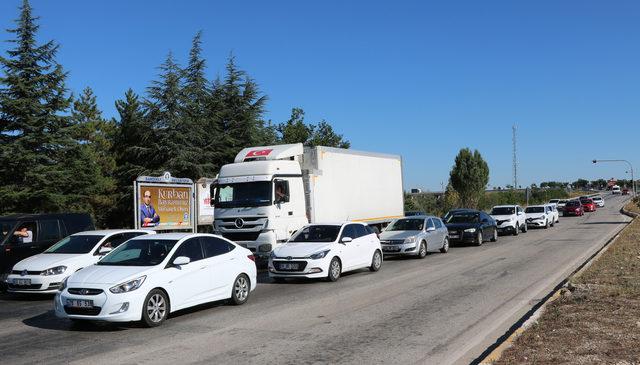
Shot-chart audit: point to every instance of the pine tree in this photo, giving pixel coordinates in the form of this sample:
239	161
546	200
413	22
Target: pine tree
39	158
324	135
295	130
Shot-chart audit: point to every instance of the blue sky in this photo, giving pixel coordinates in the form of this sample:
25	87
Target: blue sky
420	79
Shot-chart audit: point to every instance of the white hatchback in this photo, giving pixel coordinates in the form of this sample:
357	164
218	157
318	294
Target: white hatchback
44	272
326	251
149	277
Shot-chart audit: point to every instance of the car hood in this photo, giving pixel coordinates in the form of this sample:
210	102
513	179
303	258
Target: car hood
462	225
535	215
398	235
45	261
107	274
301	249
505	217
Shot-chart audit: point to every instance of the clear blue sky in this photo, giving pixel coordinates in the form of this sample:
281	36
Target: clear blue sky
420	79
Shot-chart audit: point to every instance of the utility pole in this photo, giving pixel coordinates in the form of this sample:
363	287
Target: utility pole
515	159
633	181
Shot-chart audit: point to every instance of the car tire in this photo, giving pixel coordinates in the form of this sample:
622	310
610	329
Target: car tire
445	246
516	230
553	223
155	309
241	290
479	239
422	251
376	261
525	228
494	237
546	224
335	269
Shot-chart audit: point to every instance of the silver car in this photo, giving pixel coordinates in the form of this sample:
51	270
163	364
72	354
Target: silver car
415	236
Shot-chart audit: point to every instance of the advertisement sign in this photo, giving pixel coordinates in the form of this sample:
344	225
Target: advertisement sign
205	210
164	205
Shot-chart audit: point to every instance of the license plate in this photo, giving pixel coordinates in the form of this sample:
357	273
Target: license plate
79	303
288	266
390	249
22	282
453	236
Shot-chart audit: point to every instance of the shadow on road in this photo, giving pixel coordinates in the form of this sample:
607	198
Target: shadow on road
605	222
49	321
18	297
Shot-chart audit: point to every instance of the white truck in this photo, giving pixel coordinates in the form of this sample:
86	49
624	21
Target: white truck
270	192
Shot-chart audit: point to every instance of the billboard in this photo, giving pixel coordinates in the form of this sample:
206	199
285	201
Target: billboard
205	209
164	205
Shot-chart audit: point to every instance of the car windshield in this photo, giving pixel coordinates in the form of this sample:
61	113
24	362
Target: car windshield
139	252
317	234
75	244
572	204
6	227
597	198
534	210
249	194
406	225
503	211
469	217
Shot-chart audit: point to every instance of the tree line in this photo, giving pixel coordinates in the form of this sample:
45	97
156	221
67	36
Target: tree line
58	153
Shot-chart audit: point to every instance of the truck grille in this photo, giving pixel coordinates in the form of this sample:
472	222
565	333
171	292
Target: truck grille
241	236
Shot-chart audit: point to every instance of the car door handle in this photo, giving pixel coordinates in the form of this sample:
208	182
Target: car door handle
231	259
204	267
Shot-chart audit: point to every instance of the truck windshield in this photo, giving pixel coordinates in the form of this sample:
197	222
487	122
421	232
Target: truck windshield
249	194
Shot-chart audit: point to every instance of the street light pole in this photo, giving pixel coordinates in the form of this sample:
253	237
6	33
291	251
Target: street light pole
633	181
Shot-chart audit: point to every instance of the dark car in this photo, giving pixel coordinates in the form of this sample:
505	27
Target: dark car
25	235
573	207
414	213
470	226
588	205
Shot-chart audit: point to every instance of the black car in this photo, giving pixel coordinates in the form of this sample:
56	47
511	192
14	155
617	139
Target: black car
24	235
470	226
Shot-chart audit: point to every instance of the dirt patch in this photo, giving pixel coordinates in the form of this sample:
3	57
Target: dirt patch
597	321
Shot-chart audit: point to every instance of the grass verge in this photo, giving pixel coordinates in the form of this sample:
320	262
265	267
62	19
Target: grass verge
597	321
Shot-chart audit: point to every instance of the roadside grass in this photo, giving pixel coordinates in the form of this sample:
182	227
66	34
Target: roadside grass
596	321
579	193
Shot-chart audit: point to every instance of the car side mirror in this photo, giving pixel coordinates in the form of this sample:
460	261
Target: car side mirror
431	229
181	260
346	239
104	250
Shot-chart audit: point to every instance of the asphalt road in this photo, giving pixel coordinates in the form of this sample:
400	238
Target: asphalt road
447	308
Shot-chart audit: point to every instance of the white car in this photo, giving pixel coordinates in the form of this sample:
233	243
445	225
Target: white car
326	251
44	272
539	216
599	201
509	219
555	215
148	277
616	190
560	204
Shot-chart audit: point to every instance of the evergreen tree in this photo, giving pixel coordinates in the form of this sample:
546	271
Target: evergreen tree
295	130
42	163
323	135
469	177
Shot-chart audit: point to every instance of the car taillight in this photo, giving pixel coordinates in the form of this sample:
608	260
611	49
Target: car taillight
252	258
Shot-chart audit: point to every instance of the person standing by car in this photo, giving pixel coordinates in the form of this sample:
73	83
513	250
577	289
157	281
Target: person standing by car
148	215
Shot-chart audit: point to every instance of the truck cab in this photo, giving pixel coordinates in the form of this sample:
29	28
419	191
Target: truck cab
259	199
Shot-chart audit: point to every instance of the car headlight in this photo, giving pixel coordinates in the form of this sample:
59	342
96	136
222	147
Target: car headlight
54	271
470	230
411	239
63	284
319	255
128	286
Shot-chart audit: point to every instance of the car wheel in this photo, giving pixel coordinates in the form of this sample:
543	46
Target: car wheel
479	239
553	222
516	230
241	289
445	245
546	224
155	309
335	269
494	237
525	228
376	261
422	252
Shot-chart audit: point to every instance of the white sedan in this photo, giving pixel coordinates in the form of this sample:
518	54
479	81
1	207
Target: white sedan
326	251
44	272
149	277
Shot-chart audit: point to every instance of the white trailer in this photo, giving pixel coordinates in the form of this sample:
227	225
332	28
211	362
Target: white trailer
270	192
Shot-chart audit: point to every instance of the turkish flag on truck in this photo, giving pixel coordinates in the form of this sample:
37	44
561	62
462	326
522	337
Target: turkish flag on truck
259	153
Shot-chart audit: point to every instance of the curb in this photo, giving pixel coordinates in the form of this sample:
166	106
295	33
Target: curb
494	352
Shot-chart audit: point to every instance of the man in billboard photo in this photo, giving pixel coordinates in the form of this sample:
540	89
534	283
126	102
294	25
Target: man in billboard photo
148	215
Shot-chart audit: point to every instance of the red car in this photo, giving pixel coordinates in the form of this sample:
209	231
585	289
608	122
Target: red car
588	205
625	191
573	207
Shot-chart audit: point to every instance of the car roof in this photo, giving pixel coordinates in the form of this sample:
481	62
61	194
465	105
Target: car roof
461	210
169	236
537	206
506	206
421	216
111	231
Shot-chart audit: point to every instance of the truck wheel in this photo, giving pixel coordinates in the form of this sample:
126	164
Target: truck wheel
479	239
422	251
335	268
376	261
